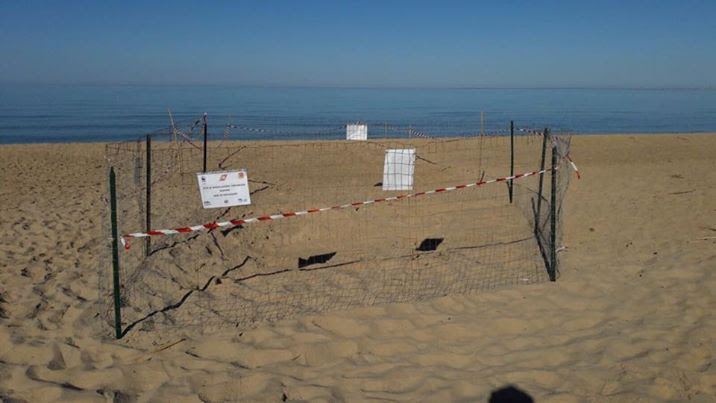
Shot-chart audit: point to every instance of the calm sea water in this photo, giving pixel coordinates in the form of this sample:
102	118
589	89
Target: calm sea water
34	113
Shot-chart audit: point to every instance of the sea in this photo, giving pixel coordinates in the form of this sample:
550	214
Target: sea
70	113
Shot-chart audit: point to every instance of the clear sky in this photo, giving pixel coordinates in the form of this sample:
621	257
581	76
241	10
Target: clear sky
605	43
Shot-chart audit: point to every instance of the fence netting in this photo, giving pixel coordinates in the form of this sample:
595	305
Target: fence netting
414	248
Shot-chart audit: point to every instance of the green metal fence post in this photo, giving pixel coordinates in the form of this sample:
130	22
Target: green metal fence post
205	130
115	253
553	217
512	157
148	196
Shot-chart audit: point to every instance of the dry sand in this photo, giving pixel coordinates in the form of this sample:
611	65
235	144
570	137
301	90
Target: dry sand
630	319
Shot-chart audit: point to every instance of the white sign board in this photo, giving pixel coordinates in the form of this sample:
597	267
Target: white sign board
398	169
224	189
356	132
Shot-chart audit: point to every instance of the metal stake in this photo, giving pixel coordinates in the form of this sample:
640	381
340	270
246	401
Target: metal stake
512	157
115	254
553	218
148	196
205	129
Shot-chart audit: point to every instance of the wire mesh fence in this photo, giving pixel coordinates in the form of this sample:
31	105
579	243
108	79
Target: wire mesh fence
359	241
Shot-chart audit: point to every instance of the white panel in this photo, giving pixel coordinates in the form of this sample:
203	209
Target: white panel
356	132
398	169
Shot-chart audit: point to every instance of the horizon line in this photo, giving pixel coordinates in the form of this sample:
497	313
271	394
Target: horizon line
370	87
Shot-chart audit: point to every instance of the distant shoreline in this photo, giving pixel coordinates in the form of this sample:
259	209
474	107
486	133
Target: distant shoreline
358	87
634	134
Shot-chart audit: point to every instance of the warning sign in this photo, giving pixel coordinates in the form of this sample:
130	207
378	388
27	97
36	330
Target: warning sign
224	189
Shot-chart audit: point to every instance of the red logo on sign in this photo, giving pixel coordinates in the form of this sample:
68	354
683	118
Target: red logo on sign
223	177
241	175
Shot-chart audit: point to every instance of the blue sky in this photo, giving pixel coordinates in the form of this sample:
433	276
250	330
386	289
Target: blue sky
627	43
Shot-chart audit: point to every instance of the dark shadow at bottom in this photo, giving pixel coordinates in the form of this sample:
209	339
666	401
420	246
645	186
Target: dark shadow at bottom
510	394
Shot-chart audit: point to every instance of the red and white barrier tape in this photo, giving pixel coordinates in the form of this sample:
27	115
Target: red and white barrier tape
414	133
574	166
556	141
236	222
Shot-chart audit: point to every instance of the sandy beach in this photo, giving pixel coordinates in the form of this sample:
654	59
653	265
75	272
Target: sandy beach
630	319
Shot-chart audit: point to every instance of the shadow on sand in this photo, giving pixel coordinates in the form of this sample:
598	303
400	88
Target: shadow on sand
510	394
